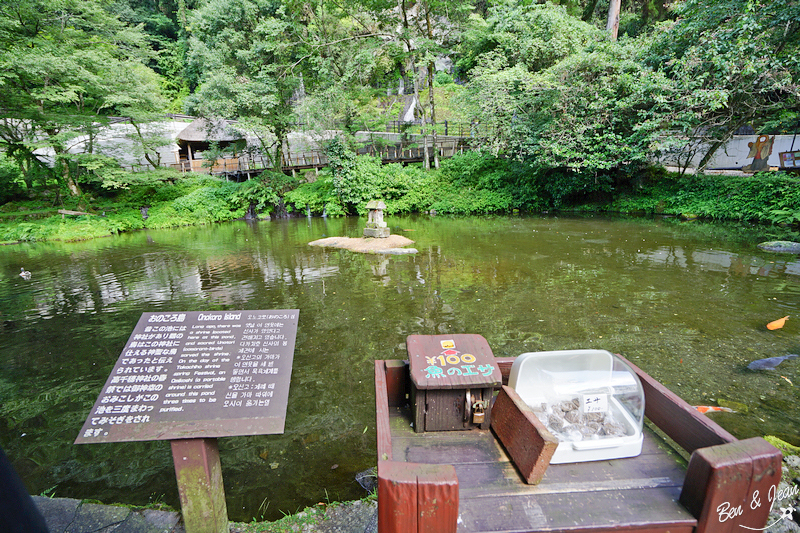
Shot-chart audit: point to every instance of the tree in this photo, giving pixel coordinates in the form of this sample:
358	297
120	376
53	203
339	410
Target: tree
613	18
412	35
243	52
164	23
580	122
133	98
345	56
499	100
58	66
534	35
600	110
737	63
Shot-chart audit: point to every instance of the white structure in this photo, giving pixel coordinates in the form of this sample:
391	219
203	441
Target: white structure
740	152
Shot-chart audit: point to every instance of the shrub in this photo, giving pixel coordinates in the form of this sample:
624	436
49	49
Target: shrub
442	78
257	193
11	182
210	204
319	197
766	197
476	173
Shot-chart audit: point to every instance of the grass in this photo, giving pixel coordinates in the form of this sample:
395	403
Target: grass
787	450
304	520
289	523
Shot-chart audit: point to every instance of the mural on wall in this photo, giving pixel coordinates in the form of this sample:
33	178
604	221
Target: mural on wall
760	152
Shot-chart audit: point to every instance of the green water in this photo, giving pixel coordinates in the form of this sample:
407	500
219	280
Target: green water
687	302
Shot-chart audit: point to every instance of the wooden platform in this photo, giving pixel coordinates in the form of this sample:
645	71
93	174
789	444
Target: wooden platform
492	496
480	489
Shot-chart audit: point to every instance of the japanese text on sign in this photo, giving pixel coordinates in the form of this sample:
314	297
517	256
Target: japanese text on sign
204	369
451	362
594	403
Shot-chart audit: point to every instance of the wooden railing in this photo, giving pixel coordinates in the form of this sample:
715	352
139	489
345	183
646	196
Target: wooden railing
293	161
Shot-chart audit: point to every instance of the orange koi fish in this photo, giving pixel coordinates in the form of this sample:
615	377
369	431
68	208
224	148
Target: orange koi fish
777	324
712	409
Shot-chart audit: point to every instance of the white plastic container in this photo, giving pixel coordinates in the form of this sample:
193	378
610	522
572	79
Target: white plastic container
589	399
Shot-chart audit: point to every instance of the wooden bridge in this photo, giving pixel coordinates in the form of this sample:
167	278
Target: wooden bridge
247	166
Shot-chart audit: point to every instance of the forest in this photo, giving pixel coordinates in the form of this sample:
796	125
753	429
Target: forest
573	101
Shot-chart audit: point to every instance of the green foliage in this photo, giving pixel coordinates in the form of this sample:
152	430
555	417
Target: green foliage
256	193
599	110
479	183
754	197
342	162
134	187
72	228
595	115
23	232
243	53
561	114
472	183
212	203
736	63
125	220
452	200
11	181
182	202
515	181
57	77
498	99
565	186
198	201
442	78
352	181
532	35
96	170
318	197
407	189
763	197
475	169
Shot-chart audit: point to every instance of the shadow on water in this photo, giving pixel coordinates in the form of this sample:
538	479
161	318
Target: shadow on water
686	302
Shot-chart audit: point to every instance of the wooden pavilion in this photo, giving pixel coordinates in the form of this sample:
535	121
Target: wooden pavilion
198	137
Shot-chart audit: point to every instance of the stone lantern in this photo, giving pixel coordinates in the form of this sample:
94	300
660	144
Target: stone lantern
376	227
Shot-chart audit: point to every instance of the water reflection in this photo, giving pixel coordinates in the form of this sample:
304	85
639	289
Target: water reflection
720	261
686	302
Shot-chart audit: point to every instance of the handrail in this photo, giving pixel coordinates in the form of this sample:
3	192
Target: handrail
403	152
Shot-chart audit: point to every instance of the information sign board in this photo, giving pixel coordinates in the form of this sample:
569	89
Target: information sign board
790	159
198	374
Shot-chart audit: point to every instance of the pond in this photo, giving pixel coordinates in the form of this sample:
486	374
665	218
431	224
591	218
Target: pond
687	302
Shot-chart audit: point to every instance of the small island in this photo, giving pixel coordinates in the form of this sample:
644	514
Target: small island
391	245
377	238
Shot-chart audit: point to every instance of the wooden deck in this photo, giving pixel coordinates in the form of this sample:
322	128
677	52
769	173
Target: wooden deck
465	481
642	491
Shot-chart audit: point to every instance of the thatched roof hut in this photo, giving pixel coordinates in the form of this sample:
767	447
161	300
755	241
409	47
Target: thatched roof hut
201	132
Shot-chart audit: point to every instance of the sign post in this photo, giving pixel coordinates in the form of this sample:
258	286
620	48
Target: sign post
190	377
199	476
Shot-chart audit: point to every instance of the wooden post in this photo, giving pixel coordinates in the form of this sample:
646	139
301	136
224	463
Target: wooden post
527	441
437	499
729	485
199	475
417	498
